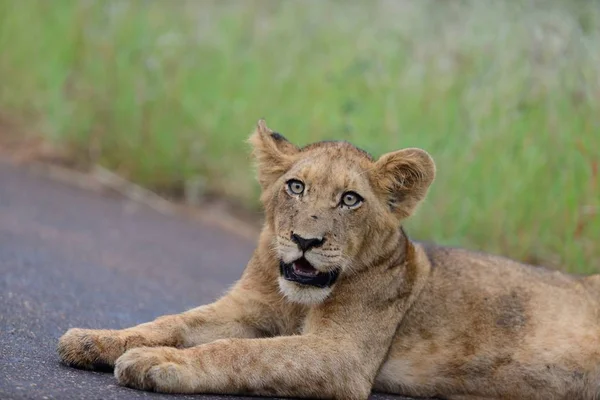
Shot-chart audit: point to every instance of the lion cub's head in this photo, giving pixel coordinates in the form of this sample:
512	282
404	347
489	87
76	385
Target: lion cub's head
332	208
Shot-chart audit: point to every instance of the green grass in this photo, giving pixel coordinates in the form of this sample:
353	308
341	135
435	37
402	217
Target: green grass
504	95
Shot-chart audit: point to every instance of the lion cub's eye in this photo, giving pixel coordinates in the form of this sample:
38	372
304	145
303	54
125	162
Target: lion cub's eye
351	199
295	186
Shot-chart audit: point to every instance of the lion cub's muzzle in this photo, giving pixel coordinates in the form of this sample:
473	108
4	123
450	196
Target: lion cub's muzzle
302	272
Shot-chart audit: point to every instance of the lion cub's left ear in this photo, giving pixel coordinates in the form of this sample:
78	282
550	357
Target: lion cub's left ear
404	176
274	154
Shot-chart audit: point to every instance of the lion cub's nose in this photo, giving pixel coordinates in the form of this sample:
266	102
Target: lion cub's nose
307	244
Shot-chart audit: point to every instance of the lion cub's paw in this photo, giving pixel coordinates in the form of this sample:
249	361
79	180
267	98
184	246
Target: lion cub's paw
159	369
90	349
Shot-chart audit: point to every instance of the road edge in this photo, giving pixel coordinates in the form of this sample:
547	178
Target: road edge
101	183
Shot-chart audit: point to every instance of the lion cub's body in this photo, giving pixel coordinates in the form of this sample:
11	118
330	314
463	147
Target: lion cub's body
499	329
336	301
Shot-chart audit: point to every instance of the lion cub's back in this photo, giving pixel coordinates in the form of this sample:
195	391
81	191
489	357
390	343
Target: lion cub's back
449	262
483	318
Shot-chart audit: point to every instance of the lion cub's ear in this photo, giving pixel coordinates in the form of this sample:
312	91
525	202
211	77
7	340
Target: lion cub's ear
403	177
274	154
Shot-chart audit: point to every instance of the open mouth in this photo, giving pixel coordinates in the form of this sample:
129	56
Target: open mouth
301	271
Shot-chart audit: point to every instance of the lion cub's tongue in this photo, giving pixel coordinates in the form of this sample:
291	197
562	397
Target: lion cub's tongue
303	267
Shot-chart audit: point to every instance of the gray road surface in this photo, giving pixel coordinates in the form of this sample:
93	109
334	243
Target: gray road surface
71	258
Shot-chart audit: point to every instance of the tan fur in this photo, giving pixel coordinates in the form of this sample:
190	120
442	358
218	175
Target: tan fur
402	317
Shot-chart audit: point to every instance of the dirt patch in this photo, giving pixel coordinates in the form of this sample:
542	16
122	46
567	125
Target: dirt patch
22	146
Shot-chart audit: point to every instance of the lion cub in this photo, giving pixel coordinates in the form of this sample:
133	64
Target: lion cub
337	301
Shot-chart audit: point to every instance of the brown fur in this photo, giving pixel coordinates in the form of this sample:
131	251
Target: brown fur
402	317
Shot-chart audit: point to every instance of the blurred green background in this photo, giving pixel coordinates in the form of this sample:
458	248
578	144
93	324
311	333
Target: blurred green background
504	94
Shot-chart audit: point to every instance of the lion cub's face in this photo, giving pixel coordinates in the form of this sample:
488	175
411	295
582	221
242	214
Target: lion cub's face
324	211
332	208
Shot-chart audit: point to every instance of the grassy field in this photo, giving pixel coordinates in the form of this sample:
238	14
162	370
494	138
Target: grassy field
504	95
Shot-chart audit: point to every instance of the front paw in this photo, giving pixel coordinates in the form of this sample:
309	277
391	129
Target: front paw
90	349
159	369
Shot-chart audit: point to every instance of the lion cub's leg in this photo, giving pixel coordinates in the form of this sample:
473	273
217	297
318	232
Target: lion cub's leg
290	366
99	349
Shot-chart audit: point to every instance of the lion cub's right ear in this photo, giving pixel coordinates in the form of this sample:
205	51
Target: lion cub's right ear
274	154
404	177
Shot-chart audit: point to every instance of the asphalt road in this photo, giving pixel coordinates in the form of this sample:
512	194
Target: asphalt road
72	258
